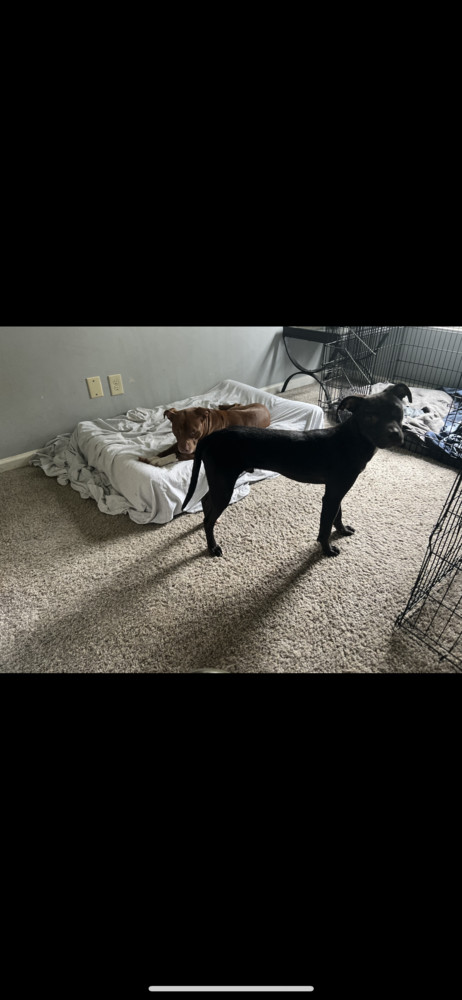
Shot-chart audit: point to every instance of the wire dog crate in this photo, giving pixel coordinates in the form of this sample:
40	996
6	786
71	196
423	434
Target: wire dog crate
424	357
429	356
448	447
433	613
350	361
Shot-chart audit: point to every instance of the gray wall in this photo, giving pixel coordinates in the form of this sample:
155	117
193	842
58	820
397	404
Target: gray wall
43	391
422	356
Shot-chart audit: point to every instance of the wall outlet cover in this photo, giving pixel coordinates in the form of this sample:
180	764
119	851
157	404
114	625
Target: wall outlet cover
116	385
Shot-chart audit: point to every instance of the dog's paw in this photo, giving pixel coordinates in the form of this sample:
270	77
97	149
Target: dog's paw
331	550
347	530
216	551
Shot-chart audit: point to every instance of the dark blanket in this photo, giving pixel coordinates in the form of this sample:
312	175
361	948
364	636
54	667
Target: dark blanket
449	440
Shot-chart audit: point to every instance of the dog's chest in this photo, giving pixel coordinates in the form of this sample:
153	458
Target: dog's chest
304	475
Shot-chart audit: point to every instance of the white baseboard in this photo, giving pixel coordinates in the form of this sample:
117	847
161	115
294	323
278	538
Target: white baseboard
16	461
303	380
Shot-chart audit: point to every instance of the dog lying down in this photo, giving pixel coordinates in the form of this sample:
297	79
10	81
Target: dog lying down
334	456
194	423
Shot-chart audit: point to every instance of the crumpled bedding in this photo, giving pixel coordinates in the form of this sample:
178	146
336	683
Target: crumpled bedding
448	443
100	458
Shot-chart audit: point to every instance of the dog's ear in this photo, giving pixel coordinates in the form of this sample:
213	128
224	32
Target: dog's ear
350	403
400	390
168	413
201	411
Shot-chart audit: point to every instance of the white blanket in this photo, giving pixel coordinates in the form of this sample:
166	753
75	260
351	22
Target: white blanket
100	458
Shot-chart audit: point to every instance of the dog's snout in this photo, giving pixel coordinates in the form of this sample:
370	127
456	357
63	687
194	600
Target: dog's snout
395	434
187	447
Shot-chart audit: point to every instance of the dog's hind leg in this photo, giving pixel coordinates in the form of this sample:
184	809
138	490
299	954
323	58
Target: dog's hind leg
209	524
213	504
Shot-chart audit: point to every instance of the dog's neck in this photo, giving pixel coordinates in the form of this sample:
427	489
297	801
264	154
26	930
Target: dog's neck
352	428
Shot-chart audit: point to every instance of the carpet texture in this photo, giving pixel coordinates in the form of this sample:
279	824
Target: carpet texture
82	591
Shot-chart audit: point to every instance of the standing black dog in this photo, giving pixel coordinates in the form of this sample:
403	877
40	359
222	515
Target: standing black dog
334	456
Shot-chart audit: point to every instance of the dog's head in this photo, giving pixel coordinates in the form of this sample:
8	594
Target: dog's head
188	426
380	416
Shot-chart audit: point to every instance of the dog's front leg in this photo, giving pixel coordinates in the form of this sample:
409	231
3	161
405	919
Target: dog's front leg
331	511
343	529
169	451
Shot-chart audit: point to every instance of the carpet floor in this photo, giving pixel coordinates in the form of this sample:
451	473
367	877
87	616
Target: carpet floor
82	591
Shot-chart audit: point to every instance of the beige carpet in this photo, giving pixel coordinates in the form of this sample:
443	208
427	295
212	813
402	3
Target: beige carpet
82	591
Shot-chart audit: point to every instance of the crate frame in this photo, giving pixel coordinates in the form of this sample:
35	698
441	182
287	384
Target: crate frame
426	357
434	608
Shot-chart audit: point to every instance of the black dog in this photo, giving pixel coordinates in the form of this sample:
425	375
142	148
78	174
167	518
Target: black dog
334	456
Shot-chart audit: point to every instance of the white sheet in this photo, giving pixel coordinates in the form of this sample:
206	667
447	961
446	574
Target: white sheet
100	458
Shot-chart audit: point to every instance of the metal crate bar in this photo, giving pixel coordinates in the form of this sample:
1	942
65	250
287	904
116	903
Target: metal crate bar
433	613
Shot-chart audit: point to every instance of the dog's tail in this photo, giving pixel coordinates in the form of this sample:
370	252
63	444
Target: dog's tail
195	472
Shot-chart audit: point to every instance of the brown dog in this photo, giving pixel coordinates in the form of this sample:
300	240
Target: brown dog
194	423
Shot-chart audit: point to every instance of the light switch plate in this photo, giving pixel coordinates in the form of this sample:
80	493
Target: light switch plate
94	386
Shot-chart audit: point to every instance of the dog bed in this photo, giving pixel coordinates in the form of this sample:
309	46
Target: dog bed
100	458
